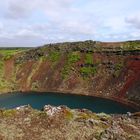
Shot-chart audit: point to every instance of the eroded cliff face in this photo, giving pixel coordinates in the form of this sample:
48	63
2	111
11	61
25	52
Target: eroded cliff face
110	70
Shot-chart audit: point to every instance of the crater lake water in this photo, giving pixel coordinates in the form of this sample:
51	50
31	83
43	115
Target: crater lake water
38	100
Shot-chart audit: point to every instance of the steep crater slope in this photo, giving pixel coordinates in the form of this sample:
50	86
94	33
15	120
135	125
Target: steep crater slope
109	70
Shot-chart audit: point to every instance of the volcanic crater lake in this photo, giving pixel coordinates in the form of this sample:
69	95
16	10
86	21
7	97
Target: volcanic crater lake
38	100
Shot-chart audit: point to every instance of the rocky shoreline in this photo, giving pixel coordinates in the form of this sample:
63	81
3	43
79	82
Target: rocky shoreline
63	123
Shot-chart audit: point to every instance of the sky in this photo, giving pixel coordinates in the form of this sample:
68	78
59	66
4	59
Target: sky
36	22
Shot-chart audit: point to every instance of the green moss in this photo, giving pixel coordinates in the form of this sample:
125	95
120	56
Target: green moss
4	84
103	115
33	71
87	71
98	134
42	114
8	53
54	56
35	85
7	57
118	68
1	73
65	71
73	57
131	45
89	59
68	115
43	58
84	116
1	68
9	113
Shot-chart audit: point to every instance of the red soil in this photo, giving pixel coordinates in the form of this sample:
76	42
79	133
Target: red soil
133	65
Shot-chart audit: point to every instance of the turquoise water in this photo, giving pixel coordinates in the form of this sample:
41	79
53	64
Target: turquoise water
38	100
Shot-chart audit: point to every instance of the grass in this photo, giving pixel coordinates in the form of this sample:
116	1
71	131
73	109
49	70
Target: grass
118	68
65	71
4	84
89	59
72	59
9	113
35	85
54	56
42	114
87	71
69	115
131	45
8	53
43	58
1	71
33	71
11	51
1	66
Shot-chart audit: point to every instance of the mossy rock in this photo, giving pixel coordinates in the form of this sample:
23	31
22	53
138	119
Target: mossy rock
9	113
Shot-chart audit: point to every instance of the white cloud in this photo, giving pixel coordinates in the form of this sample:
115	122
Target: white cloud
18	9
1	27
28	34
46	21
134	21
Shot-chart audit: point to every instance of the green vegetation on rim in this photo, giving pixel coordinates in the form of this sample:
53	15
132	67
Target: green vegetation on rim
69	115
1	74
132	45
118	68
8	113
8	53
89	58
72	58
87	71
4	84
54	56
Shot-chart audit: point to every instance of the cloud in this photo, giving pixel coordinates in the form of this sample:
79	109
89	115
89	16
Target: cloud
134	21
18	9
33	22
25	33
1	27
